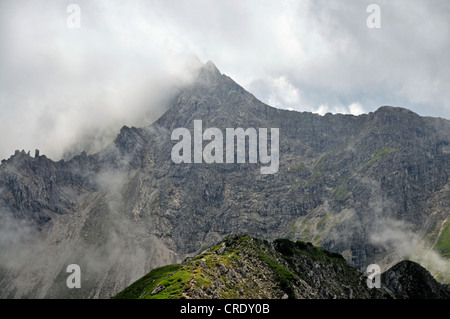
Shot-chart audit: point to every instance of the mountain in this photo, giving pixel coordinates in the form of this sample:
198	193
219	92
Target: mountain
373	188
243	267
408	280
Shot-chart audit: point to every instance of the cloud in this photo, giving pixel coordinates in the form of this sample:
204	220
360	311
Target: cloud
341	62
397	236
67	88
70	89
13	230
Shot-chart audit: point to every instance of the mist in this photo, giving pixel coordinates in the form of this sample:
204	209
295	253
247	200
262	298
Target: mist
70	90
377	220
397	237
113	246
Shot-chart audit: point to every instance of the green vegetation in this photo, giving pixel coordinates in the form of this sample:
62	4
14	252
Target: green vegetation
219	270
313	228
297	167
316	252
246	267
314	178
291	229
289	248
320	164
432	236
384	152
285	277
322	221
317	240
341	193
171	282
144	286
443	244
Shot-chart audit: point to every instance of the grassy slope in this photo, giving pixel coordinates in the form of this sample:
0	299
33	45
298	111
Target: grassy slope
269	272
443	244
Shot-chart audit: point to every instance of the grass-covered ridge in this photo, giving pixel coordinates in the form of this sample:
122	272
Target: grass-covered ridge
242	266
142	288
199	272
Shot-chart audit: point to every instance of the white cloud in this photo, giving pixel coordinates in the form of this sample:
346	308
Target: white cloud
63	87
396	236
356	109
283	93
58	85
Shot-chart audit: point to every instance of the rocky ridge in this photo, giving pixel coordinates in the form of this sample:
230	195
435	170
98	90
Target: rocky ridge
243	267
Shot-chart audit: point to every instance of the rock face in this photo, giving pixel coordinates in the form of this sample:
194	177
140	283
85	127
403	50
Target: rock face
409	280
249	268
361	186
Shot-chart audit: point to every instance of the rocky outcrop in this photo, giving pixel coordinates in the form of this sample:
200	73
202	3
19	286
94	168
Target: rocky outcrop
246	267
243	267
409	280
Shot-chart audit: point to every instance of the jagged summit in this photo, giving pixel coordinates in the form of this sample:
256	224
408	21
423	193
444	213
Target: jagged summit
211	67
409	280
209	75
212	96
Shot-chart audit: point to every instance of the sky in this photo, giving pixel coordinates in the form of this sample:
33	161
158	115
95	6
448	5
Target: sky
64	89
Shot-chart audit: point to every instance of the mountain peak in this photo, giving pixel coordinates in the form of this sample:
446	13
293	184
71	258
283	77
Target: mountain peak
209	73
210	66
386	109
408	279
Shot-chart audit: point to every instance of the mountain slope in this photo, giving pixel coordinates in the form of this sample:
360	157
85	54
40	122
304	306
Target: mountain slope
408	280
248	268
373	188
245	267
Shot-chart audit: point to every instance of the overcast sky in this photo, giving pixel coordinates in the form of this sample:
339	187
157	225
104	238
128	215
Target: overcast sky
60	85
